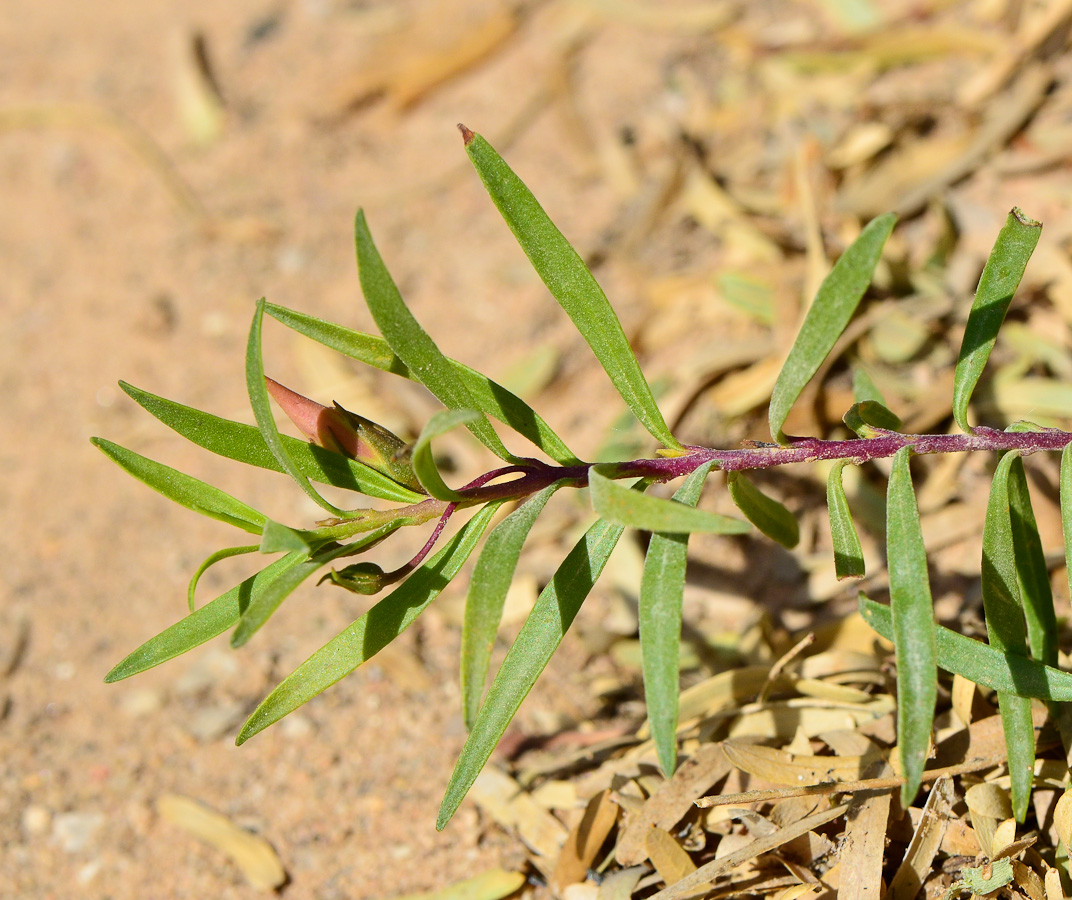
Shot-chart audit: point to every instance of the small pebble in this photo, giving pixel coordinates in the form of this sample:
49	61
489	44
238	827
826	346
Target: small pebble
74	831
213	722
36	819
141	701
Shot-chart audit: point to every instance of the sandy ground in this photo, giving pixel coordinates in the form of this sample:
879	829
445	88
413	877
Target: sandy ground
107	276
131	249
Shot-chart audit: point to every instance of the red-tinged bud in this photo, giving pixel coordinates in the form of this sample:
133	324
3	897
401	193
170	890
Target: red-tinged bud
342	431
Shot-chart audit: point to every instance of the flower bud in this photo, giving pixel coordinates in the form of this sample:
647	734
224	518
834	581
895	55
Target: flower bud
342	431
360	578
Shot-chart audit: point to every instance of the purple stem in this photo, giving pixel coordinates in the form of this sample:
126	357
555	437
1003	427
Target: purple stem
537	475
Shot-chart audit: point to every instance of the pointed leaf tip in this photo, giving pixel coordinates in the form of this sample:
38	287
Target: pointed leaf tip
467	135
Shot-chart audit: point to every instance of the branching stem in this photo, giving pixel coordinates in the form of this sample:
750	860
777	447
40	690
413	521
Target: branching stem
536	475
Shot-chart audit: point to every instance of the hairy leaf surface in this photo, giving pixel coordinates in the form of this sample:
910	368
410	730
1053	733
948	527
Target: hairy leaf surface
662	587
267	601
551	617
830	311
766	513
1001	276
373	631
1032	573
184	489
980	663
624	506
1007	631
411	343
203	624
570	283
423	461
488	586
262	412
848	554
243	443
487	396
914	638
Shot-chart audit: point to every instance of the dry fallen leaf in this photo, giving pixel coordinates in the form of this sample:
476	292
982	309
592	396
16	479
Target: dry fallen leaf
251	853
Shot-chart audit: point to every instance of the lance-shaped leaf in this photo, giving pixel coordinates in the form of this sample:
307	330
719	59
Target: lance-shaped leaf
209	562
1001	276
262	412
243	443
487	396
373	631
766	513
423	461
914	638
982	664
848	554
1032	574
492	575
624	506
830	311
203	624
662	587
1007	631
569	281
869	417
550	618
411	343
185	489
267	601
864	387
1066	508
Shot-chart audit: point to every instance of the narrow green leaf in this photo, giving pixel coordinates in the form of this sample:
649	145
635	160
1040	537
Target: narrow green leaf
623	506
203	624
491	580
915	642
864	387
410	342
243	443
267	601
1032	574
1066	508
766	513
373	631
184	489
662	587
210	561
422	459
982	664
487	396
848	554
868	417
1001	276
830	311
569	281
1007	631
279	538
551	617
262	412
